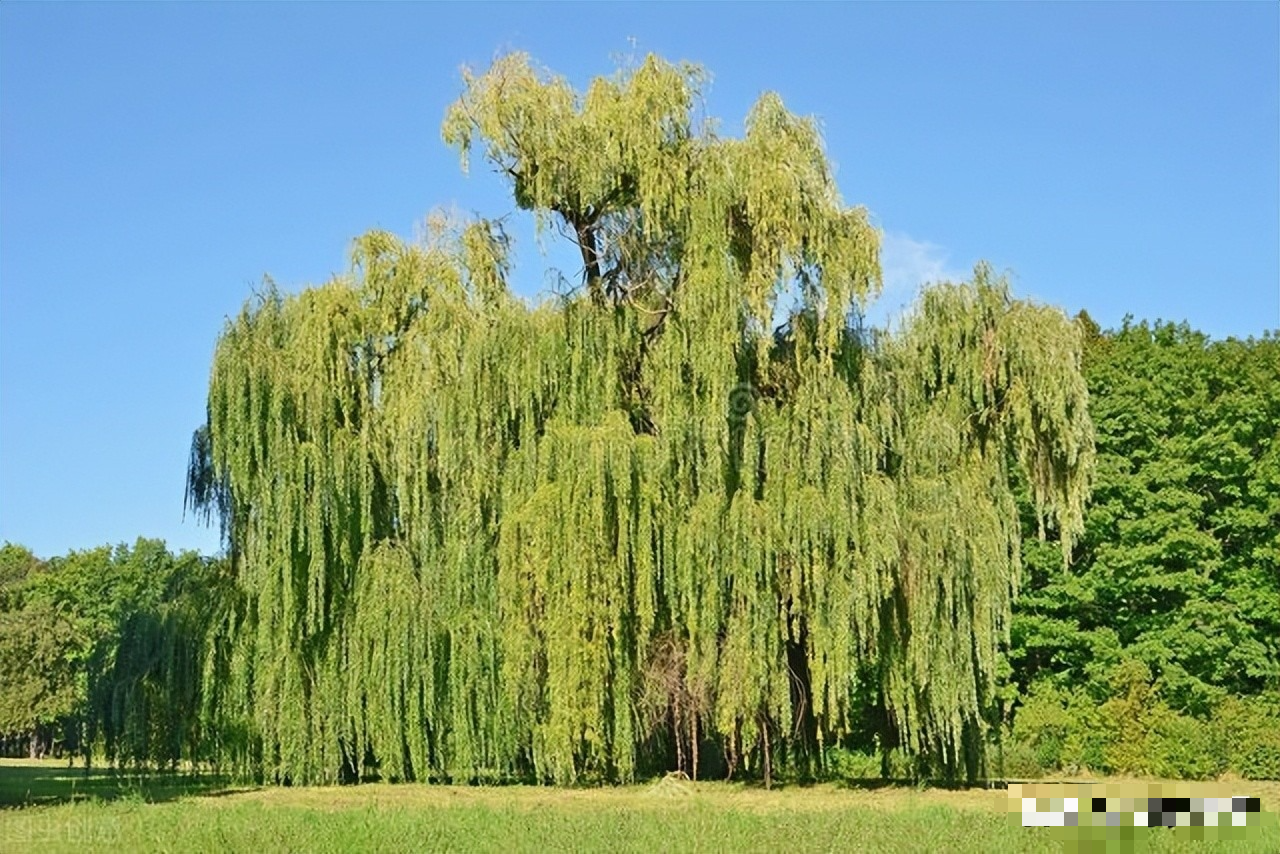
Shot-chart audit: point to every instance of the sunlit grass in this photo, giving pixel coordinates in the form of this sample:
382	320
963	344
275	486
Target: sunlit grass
71	811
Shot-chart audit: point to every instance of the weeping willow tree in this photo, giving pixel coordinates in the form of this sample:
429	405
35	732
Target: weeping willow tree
690	505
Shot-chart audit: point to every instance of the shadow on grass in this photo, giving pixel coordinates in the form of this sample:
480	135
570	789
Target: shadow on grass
872	783
52	782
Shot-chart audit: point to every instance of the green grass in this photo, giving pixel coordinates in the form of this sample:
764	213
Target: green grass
67	811
29	783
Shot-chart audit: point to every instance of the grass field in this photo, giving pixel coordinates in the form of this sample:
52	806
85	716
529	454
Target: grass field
45	806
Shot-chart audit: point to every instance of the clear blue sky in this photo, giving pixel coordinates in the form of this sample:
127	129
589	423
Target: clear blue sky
157	160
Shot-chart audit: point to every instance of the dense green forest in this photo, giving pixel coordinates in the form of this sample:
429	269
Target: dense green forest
691	514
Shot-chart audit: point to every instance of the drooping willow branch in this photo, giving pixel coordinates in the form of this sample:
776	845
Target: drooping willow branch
479	538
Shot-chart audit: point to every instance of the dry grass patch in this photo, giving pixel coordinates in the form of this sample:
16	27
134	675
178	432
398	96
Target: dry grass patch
662	795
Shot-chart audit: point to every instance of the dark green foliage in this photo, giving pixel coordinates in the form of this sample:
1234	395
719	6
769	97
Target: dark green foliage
40	654
17	564
1179	565
148	699
1170	611
103	651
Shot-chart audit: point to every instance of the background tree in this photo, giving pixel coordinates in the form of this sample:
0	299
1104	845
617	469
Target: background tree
41	653
40	657
17	564
1176	582
103	652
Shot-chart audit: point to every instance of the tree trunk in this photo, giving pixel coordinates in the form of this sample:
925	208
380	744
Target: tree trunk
732	750
675	730
693	743
768	757
33	746
590	259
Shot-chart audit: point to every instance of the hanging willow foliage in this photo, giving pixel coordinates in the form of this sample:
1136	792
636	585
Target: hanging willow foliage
478	539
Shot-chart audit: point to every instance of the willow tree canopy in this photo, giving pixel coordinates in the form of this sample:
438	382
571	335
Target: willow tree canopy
693	504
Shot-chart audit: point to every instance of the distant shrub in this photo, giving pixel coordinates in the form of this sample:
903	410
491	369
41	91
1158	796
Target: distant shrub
1185	748
1136	733
1248	731
902	766
1040	732
1056	731
843	764
1260	759
1021	762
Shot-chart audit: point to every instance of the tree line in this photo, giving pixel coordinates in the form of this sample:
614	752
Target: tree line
1158	650
102	652
691	513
